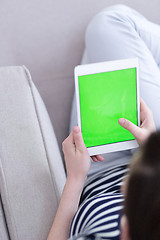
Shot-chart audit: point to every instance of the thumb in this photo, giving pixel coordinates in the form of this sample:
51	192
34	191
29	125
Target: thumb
131	127
78	139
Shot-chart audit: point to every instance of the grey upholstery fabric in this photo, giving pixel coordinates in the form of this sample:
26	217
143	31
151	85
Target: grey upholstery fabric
3	226
31	171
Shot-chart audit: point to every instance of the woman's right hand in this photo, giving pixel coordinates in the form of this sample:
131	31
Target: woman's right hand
147	124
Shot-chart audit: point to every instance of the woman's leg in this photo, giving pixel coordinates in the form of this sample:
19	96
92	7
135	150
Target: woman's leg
119	32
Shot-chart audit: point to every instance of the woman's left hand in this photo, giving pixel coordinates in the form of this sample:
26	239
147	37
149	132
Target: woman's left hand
76	156
77	164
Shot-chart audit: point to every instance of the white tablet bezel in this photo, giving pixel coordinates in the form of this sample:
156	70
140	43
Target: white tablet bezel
93	68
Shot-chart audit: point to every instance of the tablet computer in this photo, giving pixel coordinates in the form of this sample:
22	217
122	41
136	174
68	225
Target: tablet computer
106	92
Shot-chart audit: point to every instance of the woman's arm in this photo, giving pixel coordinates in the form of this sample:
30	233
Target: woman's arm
147	124
77	164
66	210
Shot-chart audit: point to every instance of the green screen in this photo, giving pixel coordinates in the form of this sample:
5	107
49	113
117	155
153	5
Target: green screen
104	98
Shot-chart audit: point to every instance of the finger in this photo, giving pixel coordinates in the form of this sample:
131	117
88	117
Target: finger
145	111
132	128
78	139
99	157
94	159
143	106
68	140
68	143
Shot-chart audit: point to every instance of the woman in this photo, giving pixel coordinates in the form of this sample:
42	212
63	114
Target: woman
142	194
115	33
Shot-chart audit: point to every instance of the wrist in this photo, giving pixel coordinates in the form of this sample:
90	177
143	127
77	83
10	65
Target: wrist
76	182
74	189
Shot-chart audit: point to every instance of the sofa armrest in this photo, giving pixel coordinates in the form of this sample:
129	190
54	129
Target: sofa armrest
32	175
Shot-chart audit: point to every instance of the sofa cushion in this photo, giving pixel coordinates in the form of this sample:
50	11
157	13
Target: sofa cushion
31	171
3	226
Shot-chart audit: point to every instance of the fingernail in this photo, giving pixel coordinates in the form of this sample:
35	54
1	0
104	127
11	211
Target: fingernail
121	120
76	129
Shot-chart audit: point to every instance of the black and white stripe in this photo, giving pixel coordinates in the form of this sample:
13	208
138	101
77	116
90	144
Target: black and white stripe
98	216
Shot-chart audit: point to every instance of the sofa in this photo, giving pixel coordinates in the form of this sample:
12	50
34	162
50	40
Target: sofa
48	38
32	174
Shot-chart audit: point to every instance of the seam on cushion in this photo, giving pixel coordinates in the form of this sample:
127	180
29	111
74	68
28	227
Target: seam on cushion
12	220
5	221
29	78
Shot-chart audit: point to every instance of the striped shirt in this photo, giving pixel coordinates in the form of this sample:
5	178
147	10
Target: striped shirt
101	203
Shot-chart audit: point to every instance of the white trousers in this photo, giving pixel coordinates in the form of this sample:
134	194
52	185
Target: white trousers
120	32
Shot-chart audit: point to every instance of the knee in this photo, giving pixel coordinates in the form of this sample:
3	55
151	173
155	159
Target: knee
118	8
108	19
